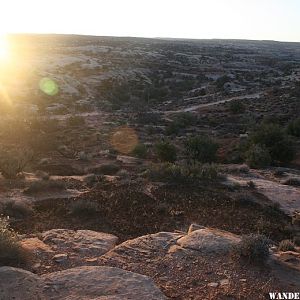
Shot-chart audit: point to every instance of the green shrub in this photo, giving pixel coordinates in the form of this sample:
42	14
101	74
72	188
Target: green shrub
202	149
169	172
286	245
253	247
258	157
237	107
13	162
275	140
221	81
11	253
140	151
293	128
172	128
185	119
166	152
202	171
166	172
181	121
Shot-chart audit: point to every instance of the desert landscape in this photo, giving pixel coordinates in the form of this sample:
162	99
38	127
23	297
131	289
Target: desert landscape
136	168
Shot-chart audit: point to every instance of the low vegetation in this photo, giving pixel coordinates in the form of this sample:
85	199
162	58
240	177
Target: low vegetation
258	157
11	253
237	107
253	248
175	173
181	121
45	186
15	208
201	149
273	138
75	121
140	151
14	161
83	208
286	245
166	152
293	128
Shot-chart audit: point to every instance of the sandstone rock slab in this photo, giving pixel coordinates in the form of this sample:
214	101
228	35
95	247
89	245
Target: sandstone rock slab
20	284
85	242
99	283
84	283
209	241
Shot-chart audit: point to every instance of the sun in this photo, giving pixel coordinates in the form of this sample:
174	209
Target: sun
3	47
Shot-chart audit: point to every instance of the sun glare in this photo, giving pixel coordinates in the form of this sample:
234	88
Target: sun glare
3	47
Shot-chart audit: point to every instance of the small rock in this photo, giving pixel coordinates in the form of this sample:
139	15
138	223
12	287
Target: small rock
35	245
224	282
60	258
213	284
91	259
194	227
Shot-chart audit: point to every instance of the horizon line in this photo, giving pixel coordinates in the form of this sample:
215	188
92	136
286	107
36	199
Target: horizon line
153	38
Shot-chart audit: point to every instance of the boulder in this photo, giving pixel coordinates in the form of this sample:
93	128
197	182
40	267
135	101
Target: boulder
209	241
19	284
99	283
142	247
77	283
85	242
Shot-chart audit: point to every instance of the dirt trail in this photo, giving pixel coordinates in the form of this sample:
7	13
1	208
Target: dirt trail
196	107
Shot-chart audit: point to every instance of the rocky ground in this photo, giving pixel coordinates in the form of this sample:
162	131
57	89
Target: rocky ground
185	265
92	221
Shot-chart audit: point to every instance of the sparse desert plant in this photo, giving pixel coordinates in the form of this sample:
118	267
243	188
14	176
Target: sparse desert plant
70	151
166	172
181	121
13	162
75	121
140	151
166	151
237	107
286	245
170	172
46	125
254	248
15	208
221	81
45	186
83	208
107	169
42	175
275	140
201	149
251	184
293	128
11	252
172	128
258	157
202	171
293	181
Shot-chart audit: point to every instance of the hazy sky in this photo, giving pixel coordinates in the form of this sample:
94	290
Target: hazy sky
239	19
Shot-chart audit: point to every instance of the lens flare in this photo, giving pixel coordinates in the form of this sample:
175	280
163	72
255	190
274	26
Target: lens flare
124	139
48	86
